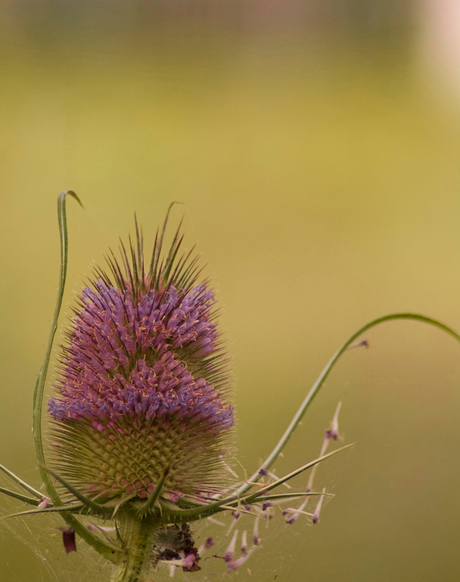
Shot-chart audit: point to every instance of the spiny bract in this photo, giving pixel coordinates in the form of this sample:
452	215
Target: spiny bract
143	384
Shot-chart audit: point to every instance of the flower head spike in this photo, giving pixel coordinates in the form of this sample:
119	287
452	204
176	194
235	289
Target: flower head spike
143	386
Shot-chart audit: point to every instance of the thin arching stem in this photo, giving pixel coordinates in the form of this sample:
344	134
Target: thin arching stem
101	547
41	379
325	373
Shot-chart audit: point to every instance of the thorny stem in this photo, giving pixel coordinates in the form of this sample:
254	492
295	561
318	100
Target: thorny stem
320	381
139	535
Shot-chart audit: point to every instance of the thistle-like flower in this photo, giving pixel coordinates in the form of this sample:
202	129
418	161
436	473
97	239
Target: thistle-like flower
144	385
141	427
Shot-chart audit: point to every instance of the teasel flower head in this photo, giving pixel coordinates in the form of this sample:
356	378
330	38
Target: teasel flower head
143	383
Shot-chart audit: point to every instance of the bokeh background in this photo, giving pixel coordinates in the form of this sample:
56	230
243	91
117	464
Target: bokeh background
315	148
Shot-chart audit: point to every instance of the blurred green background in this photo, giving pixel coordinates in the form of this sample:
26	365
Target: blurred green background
315	147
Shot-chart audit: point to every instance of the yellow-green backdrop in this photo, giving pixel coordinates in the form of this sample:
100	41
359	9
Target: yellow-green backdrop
318	167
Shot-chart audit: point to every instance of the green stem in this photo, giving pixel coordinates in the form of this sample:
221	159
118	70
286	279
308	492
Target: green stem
139	560
324	374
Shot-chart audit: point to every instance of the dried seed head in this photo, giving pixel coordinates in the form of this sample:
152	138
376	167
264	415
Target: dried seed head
143	383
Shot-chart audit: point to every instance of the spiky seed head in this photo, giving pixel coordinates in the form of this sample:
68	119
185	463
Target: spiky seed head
143	385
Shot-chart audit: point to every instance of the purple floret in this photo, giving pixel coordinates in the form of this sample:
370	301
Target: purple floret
145	355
